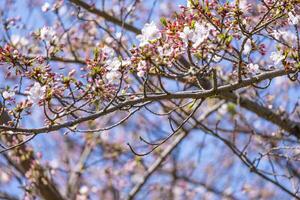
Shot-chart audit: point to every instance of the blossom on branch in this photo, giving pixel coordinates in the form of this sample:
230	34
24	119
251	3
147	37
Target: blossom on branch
277	57
45	7
8	94
48	34
150	32
197	35
293	19
36	93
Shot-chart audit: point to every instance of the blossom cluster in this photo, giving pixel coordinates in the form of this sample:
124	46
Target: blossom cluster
202	34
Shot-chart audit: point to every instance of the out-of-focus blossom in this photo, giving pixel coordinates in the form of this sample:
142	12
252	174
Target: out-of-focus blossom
48	33
142	67
223	109
189	4
4	177
165	50
8	94
150	32
247	47
186	34
293	19
45	7
19	40
289	37
113	76
277	57
253	68
109	52
36	93
113	64
84	189
243	5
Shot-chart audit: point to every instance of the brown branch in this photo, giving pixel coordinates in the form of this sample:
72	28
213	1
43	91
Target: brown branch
45	188
6	196
157	97
286	124
106	16
73	181
166	153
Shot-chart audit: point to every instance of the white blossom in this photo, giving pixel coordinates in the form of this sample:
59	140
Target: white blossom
247	47
243	5
84	190
223	109
293	19
113	77
54	164
19	40
253	68
150	32
202	33
45	7
277	57
113	64
36	93
8	94
165	50
217	58
197	35
48	33
108	51
186	35
4	177
277	34
142	66
126	62
288	36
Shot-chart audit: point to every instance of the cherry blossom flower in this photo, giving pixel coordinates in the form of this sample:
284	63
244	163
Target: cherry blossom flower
45	7
293	19
186	35
247	47
109	52
217	58
288	36
223	109
4	177
196	36
165	50
8	94
48	33
113	76
83	189
150	32
36	93
19	40
201	33
253	68
277	34
243	5
277	57
113	64
142	66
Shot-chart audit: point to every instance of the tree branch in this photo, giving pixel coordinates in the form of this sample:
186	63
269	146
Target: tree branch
106	16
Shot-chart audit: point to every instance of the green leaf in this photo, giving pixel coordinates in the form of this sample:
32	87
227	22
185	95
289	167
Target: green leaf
163	20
